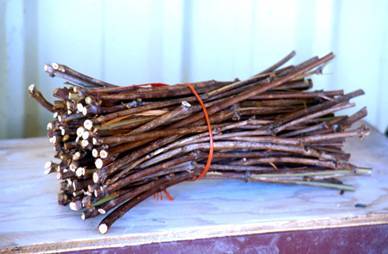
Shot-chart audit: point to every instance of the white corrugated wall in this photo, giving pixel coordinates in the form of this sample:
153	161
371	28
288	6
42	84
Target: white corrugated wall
173	41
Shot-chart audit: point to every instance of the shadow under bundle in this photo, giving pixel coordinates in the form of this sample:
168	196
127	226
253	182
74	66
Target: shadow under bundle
118	145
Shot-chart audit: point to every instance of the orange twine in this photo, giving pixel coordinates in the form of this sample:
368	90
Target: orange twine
209	128
211	141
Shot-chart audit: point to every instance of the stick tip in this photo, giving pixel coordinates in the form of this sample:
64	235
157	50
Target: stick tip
186	104
103	228
31	88
96	178
98	163
50	126
104	154
55	66
101	211
49	69
75	205
88	100
76	156
48	164
85	135
84	111
80	107
47	167
80	130
84	143
80	171
95	152
88	124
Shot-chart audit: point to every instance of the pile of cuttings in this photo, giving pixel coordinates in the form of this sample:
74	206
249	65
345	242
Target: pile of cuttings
118	145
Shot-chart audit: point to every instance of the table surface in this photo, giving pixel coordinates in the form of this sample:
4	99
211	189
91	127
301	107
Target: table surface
31	220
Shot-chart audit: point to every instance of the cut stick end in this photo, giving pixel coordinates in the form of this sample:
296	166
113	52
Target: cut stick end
31	89
103	154
73	167
76	156
186	104
95	152
88	124
46	68
84	143
103	228
75	206
63	131
80	171
101	211
80	107
55	66
48	164
85	135
80	130
47	167
84	111
96	178
50	126
88	100
98	163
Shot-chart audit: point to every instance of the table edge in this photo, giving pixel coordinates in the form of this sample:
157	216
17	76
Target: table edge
203	232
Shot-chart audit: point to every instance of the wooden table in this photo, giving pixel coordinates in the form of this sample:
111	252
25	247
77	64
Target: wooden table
31	220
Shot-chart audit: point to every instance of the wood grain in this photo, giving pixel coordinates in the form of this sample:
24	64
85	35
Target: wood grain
31	220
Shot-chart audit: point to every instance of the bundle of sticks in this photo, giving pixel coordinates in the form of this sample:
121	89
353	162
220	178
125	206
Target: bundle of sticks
118	145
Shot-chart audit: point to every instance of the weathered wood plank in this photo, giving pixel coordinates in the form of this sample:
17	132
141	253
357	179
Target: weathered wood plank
31	220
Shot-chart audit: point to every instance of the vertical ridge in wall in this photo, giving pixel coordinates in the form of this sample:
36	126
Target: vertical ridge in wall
186	41
155	42
304	32
337	7
3	69
33	124
103	39
322	41
382	104
171	36
12	70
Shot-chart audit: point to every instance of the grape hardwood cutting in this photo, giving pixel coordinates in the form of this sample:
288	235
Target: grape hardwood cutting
118	145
